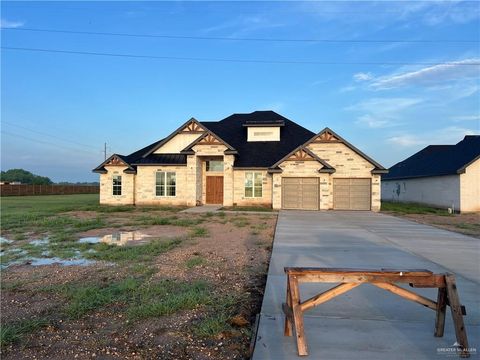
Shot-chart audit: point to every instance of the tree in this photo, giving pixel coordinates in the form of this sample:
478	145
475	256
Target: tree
24	176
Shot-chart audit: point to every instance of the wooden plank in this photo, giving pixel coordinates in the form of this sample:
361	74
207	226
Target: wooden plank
327	295
456	309
407	294
298	316
288	317
309	270
440	312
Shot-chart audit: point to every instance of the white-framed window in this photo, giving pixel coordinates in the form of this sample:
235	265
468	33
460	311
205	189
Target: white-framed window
165	183
253	184
214	165
117	185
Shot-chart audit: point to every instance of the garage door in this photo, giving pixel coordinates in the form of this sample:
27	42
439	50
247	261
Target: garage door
351	194
300	193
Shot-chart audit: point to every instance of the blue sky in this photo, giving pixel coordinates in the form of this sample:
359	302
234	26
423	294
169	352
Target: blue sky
58	109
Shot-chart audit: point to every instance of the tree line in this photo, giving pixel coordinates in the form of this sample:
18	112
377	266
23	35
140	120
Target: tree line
26	177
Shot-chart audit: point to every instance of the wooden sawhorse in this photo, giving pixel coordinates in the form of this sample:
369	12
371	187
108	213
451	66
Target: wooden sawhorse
385	279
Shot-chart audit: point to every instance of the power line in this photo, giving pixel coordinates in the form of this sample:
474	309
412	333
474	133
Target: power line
181	58
45	134
46	142
229	38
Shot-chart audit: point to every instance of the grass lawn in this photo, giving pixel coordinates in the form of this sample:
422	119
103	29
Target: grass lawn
468	224
172	295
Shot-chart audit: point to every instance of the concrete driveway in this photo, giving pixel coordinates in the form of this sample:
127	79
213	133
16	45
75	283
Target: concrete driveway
367	322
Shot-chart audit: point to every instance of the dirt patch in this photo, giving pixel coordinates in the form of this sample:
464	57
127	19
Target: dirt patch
228	252
468	224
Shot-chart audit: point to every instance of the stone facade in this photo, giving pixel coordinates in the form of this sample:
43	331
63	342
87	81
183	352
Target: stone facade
191	181
239	197
106	187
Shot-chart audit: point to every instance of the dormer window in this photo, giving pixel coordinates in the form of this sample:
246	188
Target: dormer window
264	130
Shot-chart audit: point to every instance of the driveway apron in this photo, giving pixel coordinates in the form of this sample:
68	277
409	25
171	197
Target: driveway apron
367	322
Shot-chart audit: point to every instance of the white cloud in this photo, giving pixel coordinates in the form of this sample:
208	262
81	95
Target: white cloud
459	118
361	76
4	23
385	105
373	122
382	112
430	75
405	140
444	136
244	25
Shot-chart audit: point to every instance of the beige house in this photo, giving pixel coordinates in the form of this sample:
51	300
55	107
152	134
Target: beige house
444	176
256	159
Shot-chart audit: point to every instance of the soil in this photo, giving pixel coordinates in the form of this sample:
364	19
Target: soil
468	224
235	262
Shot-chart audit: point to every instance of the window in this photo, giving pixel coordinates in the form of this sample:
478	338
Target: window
263	133
117	185
165	184
253	184
214	165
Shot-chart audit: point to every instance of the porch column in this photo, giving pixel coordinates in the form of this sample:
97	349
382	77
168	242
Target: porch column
192	179
228	180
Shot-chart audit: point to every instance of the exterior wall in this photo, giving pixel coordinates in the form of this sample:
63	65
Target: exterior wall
441	191
263	133
239	189
470	188
177	143
145	192
106	187
347	164
303	169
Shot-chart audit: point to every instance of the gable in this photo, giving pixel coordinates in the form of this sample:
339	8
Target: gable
178	143
300	155
181	138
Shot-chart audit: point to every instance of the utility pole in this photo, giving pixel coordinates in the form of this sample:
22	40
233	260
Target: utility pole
105	150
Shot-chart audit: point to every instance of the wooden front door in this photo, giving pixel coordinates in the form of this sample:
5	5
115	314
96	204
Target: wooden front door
214	190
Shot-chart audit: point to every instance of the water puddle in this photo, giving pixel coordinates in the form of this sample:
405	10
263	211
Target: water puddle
5	241
40	242
119	238
62	262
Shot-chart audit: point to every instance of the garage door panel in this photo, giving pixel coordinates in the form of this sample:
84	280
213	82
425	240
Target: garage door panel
351	194
300	193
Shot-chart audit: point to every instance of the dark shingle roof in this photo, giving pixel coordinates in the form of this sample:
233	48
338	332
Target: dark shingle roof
259	154
437	160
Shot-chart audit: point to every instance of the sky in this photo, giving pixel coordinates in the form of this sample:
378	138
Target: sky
390	77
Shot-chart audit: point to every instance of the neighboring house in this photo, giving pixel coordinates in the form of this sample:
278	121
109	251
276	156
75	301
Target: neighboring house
256	159
446	176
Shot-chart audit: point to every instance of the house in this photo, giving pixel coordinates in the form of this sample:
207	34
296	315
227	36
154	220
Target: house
445	176
255	159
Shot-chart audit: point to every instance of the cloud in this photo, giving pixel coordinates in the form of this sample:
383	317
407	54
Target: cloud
459	118
373	122
434	74
382	112
4	23
361	76
243	25
385	105
447	135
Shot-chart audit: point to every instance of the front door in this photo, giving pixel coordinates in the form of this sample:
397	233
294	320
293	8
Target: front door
214	190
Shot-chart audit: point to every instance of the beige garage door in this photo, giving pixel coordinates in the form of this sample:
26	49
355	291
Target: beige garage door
300	193
351	194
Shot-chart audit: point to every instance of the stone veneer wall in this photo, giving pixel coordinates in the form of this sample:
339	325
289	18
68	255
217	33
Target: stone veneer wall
145	193
239	189
106	187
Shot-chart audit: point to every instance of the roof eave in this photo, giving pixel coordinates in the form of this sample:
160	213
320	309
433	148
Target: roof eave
160	164
326	171
100	171
379	171
274	171
230	152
